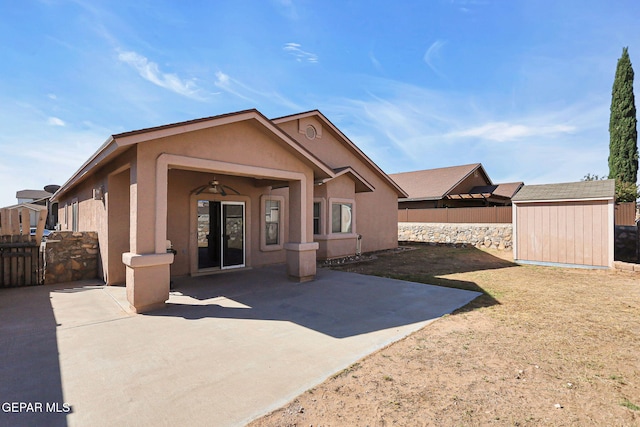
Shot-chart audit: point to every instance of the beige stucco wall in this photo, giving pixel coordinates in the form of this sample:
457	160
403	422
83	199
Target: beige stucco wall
181	206
125	218
92	213
376	212
333	245
131	220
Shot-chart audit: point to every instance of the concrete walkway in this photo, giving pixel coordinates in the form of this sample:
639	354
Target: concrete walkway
228	349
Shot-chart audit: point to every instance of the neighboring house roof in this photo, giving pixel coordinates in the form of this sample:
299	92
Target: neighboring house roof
435	184
347	143
508	189
583	190
499	191
33	194
118	143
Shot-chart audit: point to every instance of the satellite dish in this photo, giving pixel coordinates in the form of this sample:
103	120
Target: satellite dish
52	188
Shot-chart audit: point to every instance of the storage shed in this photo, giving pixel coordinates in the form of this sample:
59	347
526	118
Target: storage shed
570	224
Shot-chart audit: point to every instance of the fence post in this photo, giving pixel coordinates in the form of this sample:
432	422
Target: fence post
638	242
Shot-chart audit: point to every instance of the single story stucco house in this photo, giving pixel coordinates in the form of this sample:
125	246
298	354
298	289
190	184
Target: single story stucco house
231	191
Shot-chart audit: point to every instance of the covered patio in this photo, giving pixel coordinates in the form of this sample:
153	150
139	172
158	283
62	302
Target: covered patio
227	349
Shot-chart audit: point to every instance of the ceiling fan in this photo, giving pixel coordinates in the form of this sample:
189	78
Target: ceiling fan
214	187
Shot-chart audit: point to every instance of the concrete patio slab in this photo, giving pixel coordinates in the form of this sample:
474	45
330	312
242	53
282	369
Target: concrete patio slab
227	349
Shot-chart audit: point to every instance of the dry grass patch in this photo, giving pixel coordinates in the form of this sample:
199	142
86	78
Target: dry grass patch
542	346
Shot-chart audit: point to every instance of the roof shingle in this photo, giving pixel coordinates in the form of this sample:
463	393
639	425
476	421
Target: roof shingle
567	191
432	184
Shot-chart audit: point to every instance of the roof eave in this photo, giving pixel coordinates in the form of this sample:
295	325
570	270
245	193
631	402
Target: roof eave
103	153
353	147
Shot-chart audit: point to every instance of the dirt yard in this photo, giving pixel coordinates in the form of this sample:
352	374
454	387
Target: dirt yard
542	346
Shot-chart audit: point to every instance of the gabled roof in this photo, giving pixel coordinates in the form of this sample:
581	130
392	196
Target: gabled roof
583	190
32	194
435	184
118	143
362	185
346	142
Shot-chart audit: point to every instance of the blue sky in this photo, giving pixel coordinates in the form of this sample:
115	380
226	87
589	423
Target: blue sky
523	87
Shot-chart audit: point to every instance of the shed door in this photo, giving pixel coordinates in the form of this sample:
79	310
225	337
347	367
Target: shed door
564	232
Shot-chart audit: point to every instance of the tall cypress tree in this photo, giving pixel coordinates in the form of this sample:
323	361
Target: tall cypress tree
623	136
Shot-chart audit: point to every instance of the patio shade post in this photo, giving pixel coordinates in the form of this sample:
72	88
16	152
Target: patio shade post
147	269
301	250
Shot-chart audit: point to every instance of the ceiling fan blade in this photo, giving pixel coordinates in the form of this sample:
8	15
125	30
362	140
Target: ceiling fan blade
230	188
200	189
224	193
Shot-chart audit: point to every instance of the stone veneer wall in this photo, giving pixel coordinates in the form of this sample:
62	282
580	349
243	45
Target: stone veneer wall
70	256
496	236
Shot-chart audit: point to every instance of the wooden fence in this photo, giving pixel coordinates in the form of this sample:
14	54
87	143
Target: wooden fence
21	262
482	215
625	213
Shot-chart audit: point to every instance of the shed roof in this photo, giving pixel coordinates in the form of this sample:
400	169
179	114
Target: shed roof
583	190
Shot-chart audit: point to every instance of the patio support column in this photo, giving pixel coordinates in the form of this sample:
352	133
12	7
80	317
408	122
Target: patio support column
147	270
301	249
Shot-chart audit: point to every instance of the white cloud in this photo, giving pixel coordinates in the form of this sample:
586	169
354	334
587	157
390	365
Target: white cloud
504	131
374	61
243	91
406	127
300	55
54	121
151	72
432	54
224	82
50	154
288	9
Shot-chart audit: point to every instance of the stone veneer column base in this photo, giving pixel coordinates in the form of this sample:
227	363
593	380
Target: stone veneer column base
148	278
301	261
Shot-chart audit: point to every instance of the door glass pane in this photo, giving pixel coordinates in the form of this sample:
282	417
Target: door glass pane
208	234
233	235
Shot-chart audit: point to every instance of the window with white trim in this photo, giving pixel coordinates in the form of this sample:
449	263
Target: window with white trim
74	215
271	222
341	217
317	223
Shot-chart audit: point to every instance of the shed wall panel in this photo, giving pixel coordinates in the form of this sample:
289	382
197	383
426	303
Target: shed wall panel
563	232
